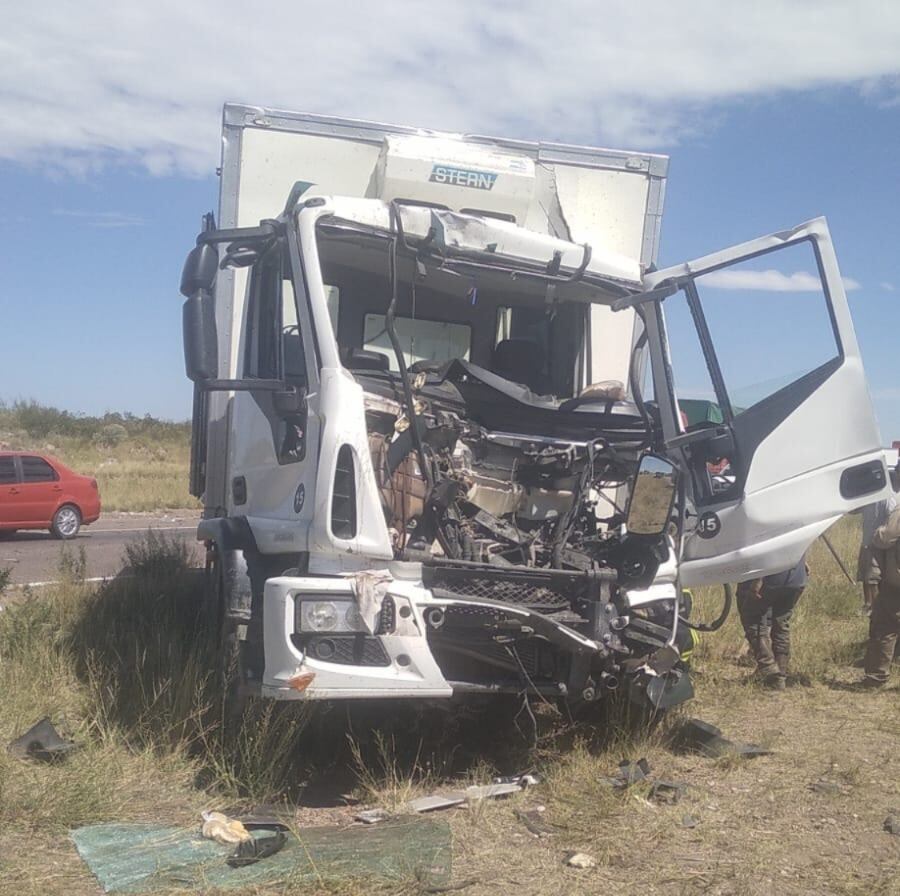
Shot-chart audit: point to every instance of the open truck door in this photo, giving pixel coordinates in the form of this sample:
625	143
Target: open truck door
798	445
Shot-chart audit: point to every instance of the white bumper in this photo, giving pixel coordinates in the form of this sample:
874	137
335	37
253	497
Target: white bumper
412	671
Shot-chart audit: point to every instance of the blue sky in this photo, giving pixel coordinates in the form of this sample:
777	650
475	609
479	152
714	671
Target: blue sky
111	141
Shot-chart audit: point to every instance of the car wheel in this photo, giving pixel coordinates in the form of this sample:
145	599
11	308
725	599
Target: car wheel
66	522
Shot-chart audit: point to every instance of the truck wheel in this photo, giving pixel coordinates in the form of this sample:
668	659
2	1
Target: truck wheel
227	646
66	522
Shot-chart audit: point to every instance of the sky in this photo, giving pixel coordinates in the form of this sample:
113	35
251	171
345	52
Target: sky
110	113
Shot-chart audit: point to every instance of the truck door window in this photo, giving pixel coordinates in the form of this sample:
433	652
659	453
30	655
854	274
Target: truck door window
274	348
770	321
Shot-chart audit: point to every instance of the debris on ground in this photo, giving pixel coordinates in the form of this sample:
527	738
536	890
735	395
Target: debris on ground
689	821
372	816
661	790
629	773
43	742
141	858
697	736
534	821
664	791
436	801
473	793
892	822
227	831
581	860
527	780
254	849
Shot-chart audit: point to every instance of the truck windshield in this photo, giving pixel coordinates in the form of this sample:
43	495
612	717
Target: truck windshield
504	325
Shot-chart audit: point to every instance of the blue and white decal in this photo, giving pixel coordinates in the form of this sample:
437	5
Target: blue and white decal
463	177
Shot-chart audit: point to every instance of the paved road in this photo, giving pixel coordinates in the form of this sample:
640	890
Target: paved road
34	557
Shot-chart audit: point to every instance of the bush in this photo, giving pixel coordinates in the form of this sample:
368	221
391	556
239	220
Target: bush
110	435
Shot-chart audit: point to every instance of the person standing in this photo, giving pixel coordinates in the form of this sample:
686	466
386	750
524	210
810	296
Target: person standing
867	567
765	607
884	623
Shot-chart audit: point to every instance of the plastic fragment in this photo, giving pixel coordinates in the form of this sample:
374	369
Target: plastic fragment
697	736
249	852
581	860
42	741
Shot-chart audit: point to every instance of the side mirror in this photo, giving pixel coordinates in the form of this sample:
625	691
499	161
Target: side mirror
198	280
200	270
652	496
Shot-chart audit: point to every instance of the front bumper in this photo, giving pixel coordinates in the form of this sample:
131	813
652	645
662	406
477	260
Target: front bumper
505	643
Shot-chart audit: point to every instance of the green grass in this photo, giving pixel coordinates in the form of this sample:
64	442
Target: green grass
140	463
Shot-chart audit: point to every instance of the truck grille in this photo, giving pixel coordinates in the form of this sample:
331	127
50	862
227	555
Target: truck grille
542	594
345	650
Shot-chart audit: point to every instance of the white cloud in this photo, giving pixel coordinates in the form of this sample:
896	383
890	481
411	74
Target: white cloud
93	82
886	286
770	281
102	219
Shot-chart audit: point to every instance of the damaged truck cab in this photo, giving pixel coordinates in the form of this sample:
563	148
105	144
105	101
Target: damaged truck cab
437	420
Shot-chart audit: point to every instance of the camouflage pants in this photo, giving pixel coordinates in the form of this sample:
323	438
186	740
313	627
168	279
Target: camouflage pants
767	626
884	627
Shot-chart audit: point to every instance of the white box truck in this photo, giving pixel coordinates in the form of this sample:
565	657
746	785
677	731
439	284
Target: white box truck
437	430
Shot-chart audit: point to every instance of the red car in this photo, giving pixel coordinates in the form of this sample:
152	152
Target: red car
38	492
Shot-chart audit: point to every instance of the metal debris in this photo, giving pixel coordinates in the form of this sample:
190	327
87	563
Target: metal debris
581	860
689	821
892	823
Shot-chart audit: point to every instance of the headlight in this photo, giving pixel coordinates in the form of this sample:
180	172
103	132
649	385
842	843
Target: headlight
313	614
320	616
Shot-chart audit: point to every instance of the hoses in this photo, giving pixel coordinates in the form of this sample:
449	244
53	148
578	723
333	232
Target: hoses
717	623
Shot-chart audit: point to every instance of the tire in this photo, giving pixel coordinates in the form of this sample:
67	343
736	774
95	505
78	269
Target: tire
227	648
66	522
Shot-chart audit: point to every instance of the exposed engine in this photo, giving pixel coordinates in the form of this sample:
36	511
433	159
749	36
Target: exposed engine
525	523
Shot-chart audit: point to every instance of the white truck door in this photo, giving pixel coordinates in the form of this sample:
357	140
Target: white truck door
774	425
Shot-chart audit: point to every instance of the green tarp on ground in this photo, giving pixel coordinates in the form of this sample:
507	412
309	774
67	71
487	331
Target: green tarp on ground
141	858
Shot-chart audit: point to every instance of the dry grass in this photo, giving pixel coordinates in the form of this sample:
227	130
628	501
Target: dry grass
140	463
124	669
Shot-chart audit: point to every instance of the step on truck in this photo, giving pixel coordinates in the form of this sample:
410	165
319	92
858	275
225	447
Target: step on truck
437	431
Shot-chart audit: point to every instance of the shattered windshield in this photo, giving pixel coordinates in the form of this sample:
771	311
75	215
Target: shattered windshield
515	327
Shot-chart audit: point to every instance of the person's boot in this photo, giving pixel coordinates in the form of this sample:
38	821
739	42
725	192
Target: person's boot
775	681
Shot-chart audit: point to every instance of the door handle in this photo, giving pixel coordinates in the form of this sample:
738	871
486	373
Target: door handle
14	491
57	488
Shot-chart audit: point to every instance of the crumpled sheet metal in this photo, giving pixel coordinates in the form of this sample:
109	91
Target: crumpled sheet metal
142	858
369	588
